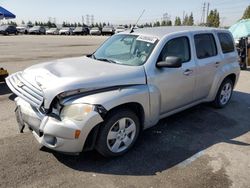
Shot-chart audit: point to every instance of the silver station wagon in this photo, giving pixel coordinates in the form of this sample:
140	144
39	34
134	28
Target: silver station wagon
104	100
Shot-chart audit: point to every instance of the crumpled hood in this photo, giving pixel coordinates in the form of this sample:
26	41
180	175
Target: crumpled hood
81	73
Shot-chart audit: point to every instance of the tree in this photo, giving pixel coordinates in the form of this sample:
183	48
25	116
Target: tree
177	21
29	24
23	23
163	23
169	23
185	20
64	24
213	19
12	23
190	19
157	24
246	14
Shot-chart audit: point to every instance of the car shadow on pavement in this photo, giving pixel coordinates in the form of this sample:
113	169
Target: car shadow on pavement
170	142
4	89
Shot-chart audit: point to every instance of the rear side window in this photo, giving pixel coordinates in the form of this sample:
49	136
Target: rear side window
205	45
226	42
178	47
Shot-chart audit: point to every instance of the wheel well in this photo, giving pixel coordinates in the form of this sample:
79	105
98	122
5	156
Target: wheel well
135	107
232	77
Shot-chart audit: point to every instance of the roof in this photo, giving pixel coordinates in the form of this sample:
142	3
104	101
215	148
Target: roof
6	14
160	32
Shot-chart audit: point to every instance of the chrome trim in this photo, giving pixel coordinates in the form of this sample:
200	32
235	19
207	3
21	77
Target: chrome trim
25	90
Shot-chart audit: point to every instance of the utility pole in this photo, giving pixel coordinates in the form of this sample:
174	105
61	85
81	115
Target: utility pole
87	19
203	13
183	17
92	19
208	4
82	20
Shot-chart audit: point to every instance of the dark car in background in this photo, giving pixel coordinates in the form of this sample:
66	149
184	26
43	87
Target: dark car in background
81	31
108	30
8	30
39	30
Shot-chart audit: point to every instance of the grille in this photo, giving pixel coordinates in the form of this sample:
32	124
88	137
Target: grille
25	90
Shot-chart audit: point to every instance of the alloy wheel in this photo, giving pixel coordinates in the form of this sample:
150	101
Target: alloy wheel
121	135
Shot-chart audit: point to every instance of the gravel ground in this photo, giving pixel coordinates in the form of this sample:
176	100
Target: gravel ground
200	147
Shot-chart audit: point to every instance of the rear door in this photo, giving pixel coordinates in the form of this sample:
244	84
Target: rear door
208	61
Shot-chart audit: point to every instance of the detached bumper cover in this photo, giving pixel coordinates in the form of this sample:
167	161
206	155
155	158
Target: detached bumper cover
55	134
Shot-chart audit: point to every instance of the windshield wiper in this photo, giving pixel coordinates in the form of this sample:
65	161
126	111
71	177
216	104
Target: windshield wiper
106	60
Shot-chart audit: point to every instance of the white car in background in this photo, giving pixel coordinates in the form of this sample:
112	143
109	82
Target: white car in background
66	31
95	31
22	29
52	31
120	29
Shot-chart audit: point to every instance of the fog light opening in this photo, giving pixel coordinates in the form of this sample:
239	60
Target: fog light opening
51	140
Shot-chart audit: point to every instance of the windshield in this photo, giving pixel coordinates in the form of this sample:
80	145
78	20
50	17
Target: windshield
78	28
126	49
36	27
53	29
65	28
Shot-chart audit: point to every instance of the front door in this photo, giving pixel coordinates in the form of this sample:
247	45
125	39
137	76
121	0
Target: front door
175	85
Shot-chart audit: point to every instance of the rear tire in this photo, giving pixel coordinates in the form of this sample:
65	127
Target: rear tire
118	134
224	94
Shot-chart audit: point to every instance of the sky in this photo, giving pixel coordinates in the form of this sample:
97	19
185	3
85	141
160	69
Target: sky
121	12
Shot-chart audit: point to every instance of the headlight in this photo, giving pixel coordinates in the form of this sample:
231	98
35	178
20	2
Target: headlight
76	111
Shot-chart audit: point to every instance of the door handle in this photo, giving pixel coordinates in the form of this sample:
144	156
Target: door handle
217	64
188	72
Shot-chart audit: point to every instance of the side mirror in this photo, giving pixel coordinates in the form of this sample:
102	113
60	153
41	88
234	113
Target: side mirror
170	62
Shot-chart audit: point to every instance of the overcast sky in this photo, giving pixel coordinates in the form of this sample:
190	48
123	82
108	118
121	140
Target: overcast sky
120	12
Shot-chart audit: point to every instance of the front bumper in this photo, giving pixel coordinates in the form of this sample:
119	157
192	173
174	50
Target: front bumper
53	133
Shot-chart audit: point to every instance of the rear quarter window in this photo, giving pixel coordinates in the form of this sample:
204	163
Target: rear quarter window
226	42
205	45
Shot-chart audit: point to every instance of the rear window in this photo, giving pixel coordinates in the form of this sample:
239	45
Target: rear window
205	45
226	42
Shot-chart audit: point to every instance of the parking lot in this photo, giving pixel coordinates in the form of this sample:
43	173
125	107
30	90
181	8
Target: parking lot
200	147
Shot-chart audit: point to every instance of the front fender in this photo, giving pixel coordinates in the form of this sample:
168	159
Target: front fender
113	98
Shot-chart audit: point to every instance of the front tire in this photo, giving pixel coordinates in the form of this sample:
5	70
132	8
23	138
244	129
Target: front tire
118	133
224	94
